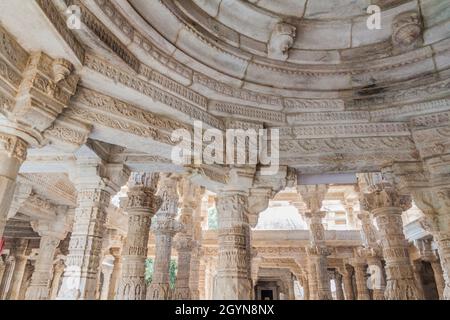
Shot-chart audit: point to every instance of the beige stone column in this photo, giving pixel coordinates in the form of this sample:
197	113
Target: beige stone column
438	277
372	253
194	279
195	273
360	277
20	253
141	206
425	248
305	285
184	248
164	226
435	224
190	197
13	151
51	232
338	283
417	269
313	196
116	272
233	279
6	280
58	271
348	286
2	269
387	205
107	273
95	182
432	196
26	280
202	280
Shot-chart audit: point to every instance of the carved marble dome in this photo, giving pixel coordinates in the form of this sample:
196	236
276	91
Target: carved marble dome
313	69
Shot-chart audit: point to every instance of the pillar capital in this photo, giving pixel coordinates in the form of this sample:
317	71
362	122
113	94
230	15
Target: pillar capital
313	196
13	147
56	228
384	196
141	193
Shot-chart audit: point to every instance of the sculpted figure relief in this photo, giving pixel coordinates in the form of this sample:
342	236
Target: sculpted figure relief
281	41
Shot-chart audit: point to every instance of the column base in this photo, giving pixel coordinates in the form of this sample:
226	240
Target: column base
404	289
159	291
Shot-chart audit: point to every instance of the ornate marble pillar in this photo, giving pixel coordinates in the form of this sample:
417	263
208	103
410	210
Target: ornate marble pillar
20	253
437	224
233	279
58	270
429	255
7	275
51	232
190	197
141	206
116	272
305	285
194	279
184	248
313	196
438	277
95	182
431	136
164	226
361	281
372	254
387	205
13	151
107	273
348	285
26	279
417	269
2	269
338	284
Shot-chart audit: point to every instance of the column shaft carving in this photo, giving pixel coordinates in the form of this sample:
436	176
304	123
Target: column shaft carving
20	254
361	282
190	197
387	205
52	232
95	185
13	151
164	226
116	273
313	196
348	286
107	273
372	253
58	271
438	278
338	283
233	280
141	206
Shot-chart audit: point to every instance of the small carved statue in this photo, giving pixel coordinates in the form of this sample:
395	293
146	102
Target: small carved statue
281	40
406	30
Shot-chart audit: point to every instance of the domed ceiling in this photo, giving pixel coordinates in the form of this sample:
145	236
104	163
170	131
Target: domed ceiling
339	92
307	49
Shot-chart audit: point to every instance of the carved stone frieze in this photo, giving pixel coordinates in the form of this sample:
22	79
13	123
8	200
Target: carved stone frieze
151	91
